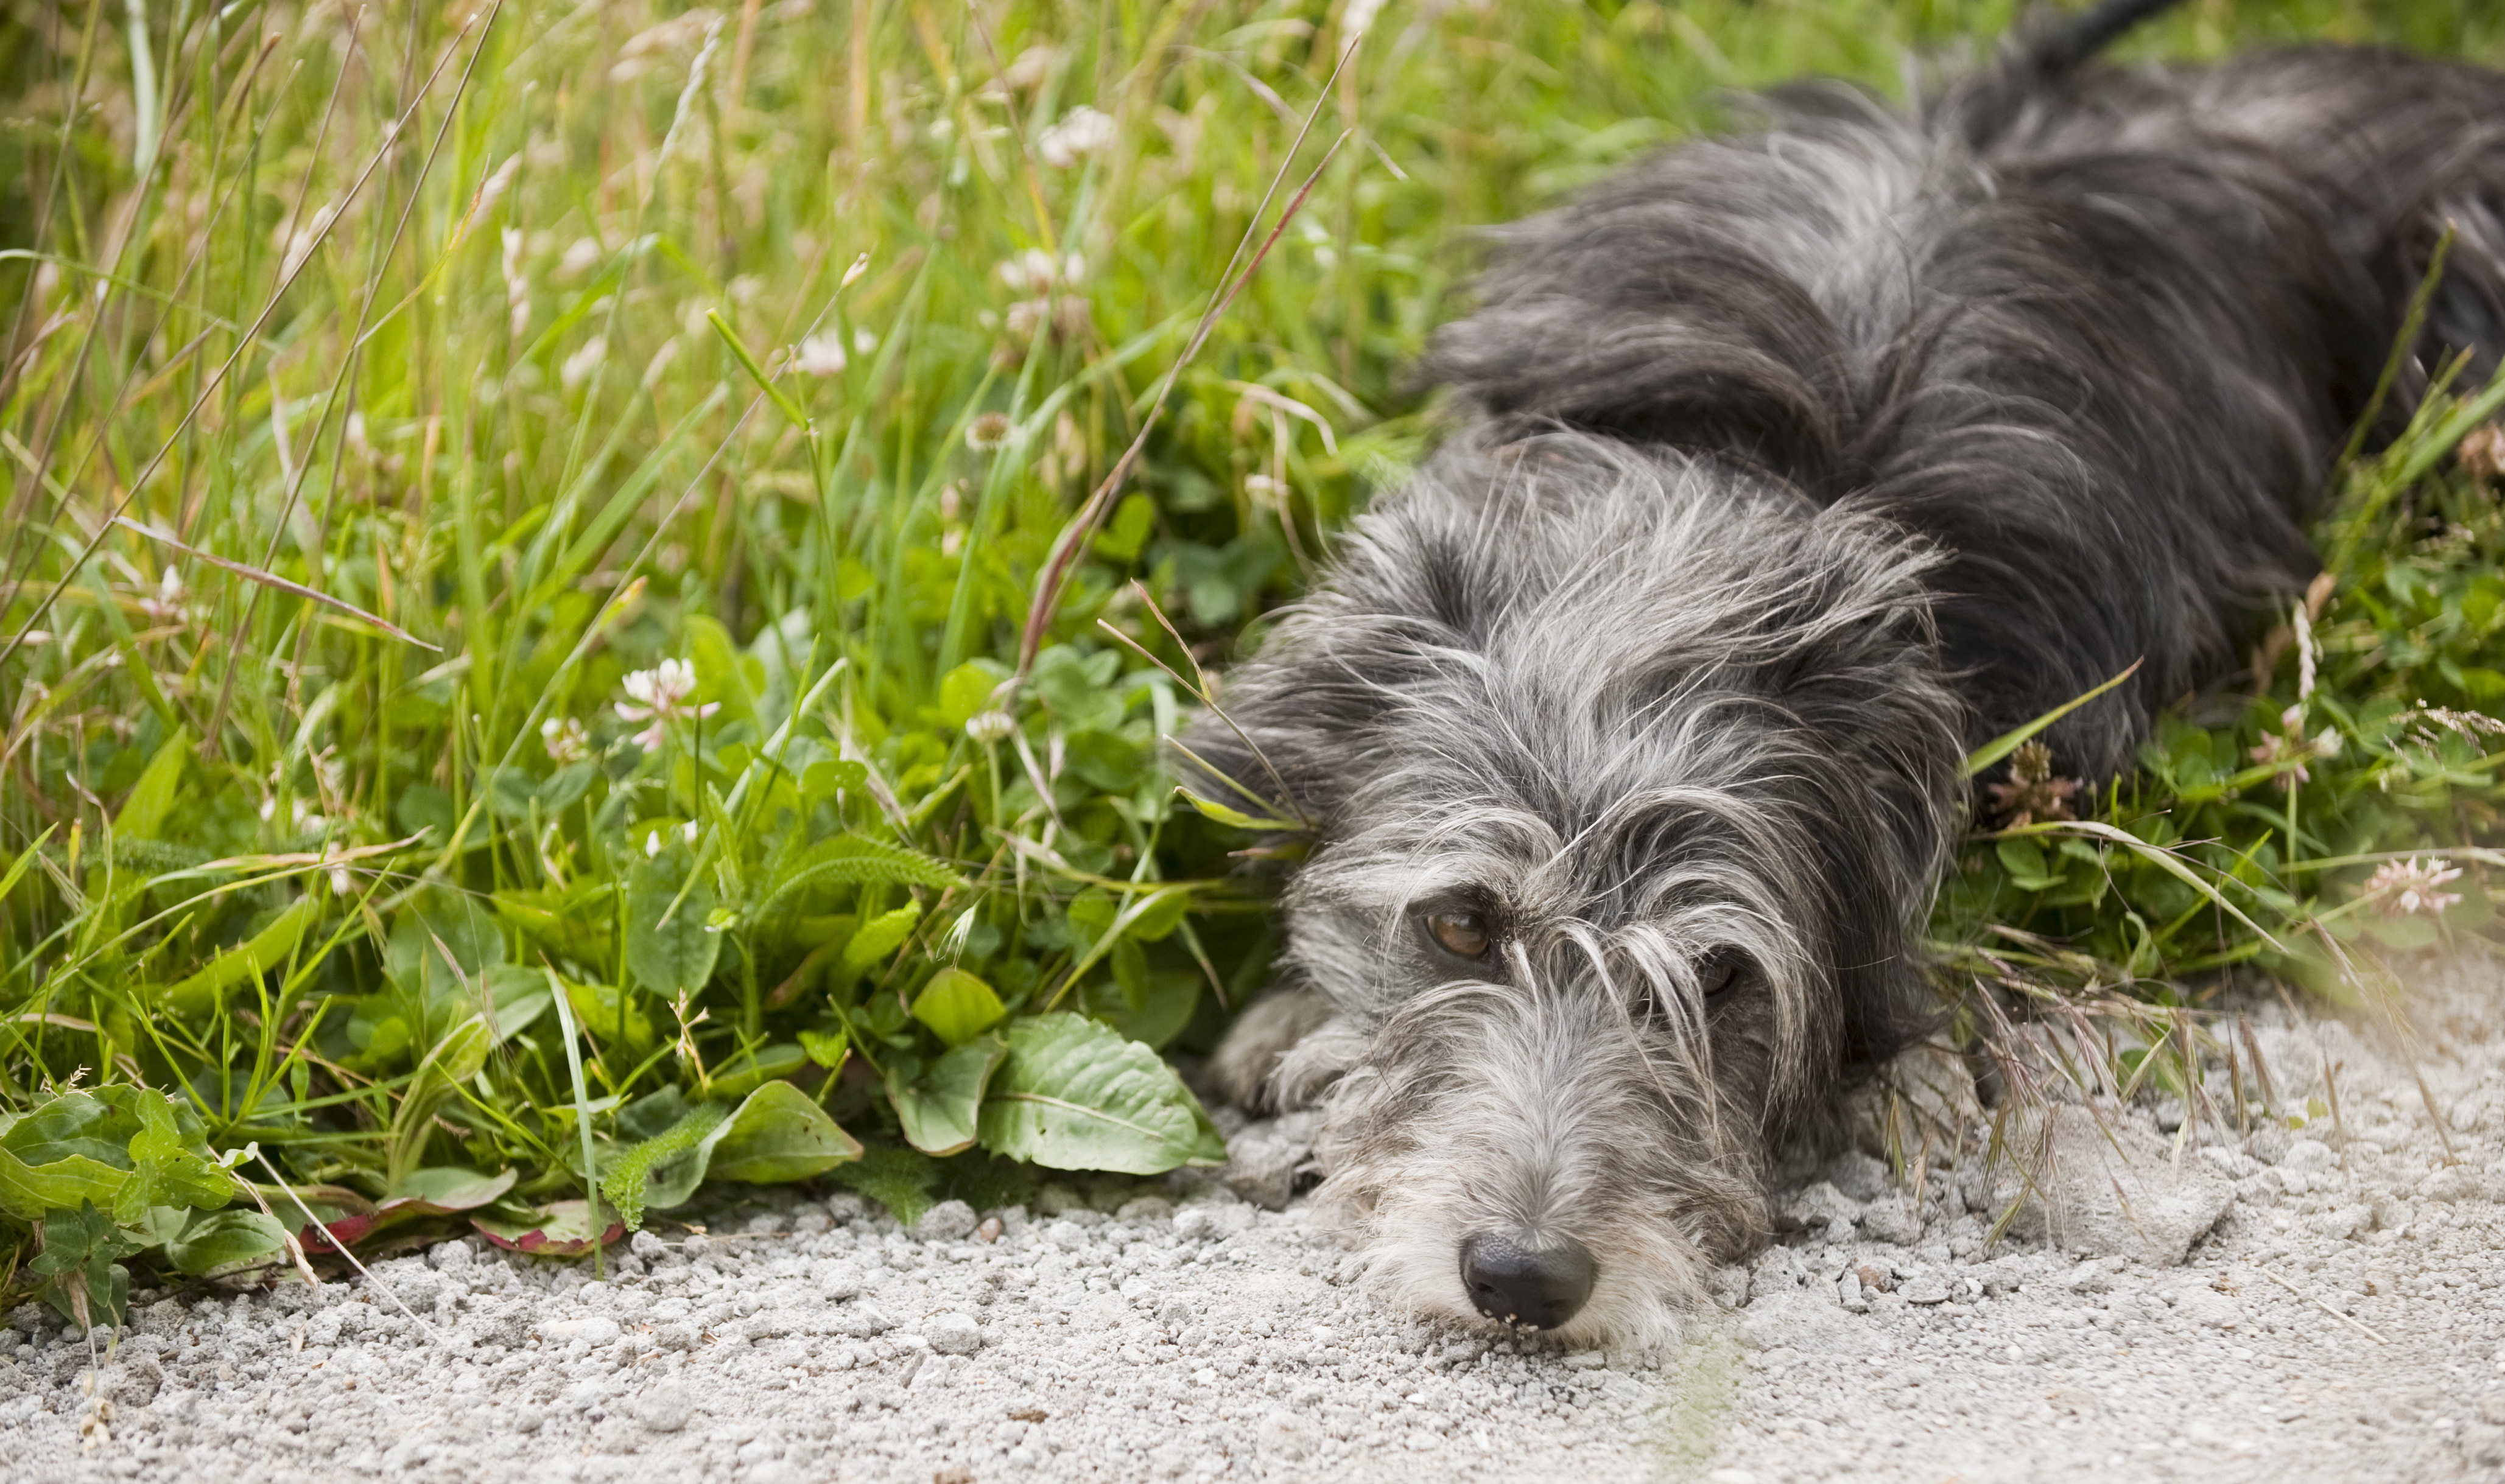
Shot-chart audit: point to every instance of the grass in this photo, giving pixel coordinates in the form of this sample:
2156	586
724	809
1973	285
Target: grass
395	400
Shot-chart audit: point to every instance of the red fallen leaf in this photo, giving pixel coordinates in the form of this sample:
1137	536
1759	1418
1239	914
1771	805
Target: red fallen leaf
560	1230
442	1192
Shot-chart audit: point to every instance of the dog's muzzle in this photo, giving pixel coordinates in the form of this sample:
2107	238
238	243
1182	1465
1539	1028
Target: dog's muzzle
1514	1284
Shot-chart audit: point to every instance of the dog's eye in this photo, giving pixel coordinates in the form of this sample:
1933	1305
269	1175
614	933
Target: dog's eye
1459	933
1718	975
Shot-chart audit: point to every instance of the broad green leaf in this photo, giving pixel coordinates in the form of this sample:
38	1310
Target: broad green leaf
827	1048
879	937
958	1007
94	1124
823	779
265	952
510	792
28	1191
673	959
520	997
966	692
1162	1010
1106	759
746	1072
1073	1095
451	1188
938	1111
611	1012
167	1169
81	1280
562	789
219	1243
725	672
776	1135
151	799
2024	859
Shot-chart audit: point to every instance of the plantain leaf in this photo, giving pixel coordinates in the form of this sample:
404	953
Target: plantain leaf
222	1243
675	959
779	1134
939	1112
958	1007
775	1134
1073	1095
151	799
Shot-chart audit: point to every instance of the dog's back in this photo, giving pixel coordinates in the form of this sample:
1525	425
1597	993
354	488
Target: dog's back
2096	335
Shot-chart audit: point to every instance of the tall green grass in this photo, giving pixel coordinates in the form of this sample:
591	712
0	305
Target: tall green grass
396	397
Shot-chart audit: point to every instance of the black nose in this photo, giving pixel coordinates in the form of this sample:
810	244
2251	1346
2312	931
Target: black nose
1516	1286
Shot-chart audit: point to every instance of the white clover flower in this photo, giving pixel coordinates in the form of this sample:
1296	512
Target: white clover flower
659	697
822	355
1082	131
2402	888
565	739
989	727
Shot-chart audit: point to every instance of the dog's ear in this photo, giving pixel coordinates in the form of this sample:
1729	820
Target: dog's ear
1293	725
1864	676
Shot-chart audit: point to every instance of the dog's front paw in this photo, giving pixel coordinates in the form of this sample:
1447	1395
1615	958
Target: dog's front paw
1246	1064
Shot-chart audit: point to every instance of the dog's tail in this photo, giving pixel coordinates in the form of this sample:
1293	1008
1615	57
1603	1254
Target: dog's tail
2063	45
2035	64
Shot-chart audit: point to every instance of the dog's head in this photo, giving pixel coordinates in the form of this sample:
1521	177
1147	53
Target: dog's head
1630	772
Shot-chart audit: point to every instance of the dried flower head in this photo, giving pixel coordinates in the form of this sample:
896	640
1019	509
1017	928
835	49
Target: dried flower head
2291	749
1082	131
659	697
166	605
2402	888
2032	794
2482	451
989	433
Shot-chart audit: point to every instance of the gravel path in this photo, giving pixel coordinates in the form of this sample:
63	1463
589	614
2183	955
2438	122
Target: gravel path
2340	1321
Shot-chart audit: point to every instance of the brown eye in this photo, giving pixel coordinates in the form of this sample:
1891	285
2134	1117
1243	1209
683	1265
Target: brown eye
1716	975
1462	934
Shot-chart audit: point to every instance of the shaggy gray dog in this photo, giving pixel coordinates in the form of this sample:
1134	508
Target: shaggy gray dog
1632	730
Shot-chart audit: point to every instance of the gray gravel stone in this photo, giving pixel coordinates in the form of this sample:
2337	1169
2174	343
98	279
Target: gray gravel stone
2108	1186
948	1221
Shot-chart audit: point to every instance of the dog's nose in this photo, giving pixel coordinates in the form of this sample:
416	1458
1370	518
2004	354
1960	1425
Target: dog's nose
1517	1286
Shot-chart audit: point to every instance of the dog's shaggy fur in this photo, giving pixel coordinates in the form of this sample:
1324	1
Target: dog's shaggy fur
1809	460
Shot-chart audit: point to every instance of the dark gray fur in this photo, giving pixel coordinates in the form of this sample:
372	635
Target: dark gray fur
1808	458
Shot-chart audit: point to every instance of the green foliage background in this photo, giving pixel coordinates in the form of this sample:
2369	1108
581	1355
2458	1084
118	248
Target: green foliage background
384	388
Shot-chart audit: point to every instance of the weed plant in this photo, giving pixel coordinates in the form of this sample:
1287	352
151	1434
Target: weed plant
522	682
